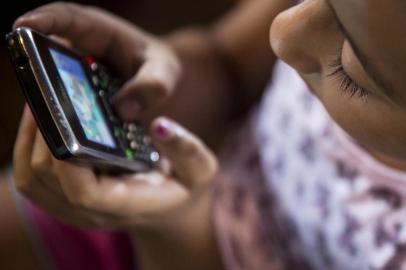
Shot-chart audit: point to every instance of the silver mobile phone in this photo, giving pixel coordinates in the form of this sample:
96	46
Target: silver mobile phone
69	95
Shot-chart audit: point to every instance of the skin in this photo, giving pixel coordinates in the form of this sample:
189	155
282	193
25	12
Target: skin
376	121
306	36
188	76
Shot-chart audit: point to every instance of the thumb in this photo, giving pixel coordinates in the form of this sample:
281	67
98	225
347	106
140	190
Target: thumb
192	162
155	80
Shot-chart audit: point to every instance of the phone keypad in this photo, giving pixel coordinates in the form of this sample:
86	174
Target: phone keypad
139	141
133	136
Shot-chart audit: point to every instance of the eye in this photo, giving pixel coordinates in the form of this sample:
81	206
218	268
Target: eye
347	84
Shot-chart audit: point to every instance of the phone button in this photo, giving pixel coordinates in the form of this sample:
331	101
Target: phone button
21	61
154	156
130	154
95	81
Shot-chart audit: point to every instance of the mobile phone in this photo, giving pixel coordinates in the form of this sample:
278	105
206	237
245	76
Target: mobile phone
69	95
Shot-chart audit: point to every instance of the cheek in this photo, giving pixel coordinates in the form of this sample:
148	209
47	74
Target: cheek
373	124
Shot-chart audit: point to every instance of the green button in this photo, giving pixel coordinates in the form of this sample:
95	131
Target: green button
129	153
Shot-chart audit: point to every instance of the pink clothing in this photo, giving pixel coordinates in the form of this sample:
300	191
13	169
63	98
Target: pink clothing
64	248
297	193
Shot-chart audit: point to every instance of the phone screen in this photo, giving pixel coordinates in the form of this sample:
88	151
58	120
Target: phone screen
83	98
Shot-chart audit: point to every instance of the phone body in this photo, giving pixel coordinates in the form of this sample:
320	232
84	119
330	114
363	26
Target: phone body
69	95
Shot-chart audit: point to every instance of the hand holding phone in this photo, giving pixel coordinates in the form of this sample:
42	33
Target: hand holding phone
69	95
159	206
150	69
68	190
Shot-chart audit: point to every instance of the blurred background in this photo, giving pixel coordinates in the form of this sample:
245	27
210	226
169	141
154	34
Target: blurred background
157	16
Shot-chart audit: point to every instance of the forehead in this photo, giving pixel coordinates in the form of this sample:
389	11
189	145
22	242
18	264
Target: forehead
379	29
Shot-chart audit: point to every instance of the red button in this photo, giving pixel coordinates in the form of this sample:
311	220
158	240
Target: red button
90	60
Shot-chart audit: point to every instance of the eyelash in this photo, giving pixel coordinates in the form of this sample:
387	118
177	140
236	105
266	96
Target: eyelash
347	84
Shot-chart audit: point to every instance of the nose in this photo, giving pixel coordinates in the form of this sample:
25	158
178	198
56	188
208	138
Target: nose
298	35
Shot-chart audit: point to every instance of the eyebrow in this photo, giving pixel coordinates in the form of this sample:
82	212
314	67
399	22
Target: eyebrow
375	76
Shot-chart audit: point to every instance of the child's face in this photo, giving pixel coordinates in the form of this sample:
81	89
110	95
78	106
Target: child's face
353	56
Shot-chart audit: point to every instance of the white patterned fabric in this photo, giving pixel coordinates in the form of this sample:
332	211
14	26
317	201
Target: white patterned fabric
297	192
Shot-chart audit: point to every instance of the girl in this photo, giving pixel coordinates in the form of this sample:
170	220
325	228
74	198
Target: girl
314	180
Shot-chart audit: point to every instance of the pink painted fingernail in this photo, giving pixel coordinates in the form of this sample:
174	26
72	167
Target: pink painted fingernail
163	130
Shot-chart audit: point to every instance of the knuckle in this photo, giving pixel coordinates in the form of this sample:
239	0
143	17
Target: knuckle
173	67
55	6
95	9
23	184
72	8
213	166
40	165
209	165
81	199
64	4
168	61
158	85
188	148
210	170
60	8
174	63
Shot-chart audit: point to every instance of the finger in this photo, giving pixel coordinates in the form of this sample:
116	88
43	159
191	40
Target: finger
92	31
59	207
193	163
23	151
42	165
128	196
64	206
79	184
81	194
106	36
139	194
155	80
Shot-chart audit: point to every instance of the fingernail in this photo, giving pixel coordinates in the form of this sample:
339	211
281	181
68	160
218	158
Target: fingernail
22	19
163	130
27	16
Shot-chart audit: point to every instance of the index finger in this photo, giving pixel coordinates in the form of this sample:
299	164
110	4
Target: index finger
118	196
92	31
23	150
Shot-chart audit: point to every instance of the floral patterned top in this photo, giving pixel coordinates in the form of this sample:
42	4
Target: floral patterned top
297	192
